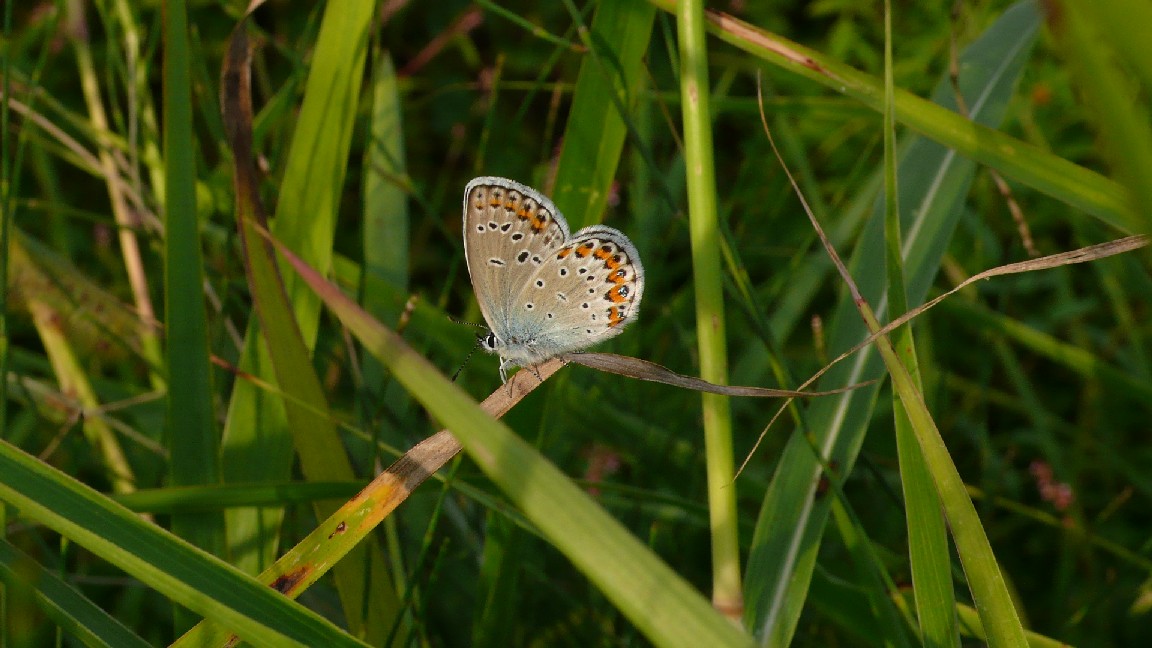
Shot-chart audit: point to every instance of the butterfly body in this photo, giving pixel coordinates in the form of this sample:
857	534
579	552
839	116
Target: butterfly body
543	291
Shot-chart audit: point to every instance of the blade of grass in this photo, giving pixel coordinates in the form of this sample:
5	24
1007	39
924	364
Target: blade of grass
989	591
70	313
708	282
928	554
66	606
257	442
1107	87
312	557
933	183
1073	184
193	442
608	87
175	568
314	432
986	582
125	220
653	597
384	274
386	219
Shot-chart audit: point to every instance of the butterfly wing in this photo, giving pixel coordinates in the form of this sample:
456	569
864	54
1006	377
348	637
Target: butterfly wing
509	229
587	291
542	291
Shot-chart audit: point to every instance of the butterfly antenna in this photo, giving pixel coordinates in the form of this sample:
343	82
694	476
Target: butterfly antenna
466	358
457	321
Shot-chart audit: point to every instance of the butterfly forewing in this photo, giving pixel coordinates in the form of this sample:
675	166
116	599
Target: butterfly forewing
506	230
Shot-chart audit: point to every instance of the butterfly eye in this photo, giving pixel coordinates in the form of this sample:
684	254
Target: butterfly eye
488	341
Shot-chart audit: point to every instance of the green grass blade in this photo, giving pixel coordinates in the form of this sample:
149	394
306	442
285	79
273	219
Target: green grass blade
185	574
193	441
386	218
314	433
653	597
67	607
709	293
928	554
934	181
74	318
1075	185
384	275
1090	34
256	444
608	88
990	593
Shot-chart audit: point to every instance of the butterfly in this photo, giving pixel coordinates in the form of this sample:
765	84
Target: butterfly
543	291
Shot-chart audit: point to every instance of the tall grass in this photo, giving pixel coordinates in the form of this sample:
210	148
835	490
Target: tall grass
188	420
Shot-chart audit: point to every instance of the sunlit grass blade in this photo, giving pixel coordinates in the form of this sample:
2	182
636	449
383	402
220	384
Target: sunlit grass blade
257	445
321	452
1076	185
707	278
933	183
185	574
608	89
653	597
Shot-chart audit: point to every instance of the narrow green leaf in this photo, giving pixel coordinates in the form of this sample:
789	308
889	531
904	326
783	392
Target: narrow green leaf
386	226
314	433
607	91
257	445
1075	185
933	182
197	580
193	440
1088	32
67	607
928	554
653	597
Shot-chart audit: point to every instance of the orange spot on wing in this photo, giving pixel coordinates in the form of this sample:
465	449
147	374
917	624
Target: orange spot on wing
584	250
615	317
563	253
617	294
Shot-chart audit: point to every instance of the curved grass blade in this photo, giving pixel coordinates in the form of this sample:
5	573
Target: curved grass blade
653	597
607	91
317	441
1075	185
181	572
934	181
68	608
